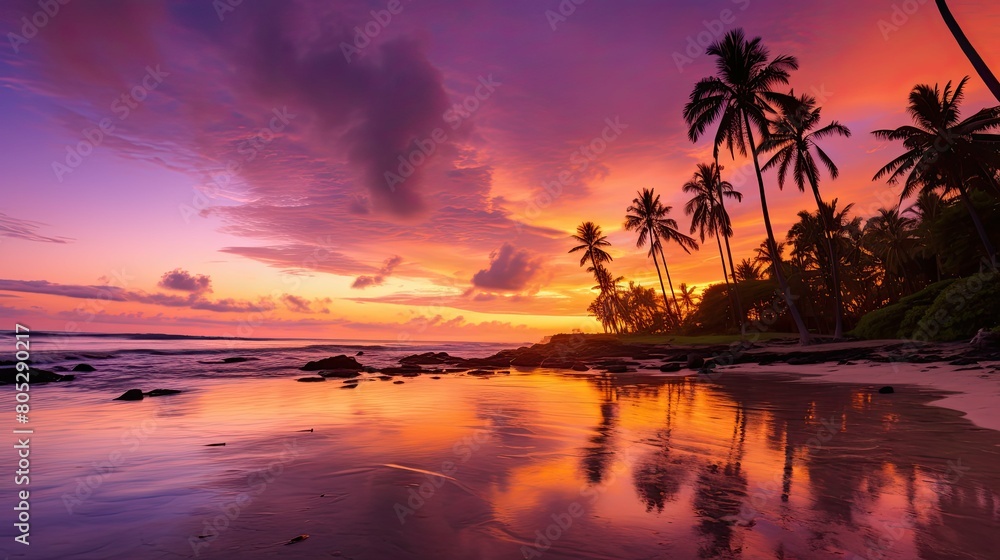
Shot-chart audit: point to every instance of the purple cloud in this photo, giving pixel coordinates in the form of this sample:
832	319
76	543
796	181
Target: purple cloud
27	230
390	264
184	281
510	269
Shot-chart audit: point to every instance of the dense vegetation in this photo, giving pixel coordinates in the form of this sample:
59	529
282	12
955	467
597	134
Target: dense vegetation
923	267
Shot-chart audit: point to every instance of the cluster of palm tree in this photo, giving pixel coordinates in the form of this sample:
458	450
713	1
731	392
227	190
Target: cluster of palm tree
844	265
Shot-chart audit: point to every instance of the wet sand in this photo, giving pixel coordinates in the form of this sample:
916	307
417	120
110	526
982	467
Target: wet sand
538	463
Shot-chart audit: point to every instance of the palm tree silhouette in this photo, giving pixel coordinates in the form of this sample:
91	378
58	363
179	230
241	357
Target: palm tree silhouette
943	152
739	98
793	138
593	242
746	270
709	218
689	297
977	61
891	237
644	216
666	231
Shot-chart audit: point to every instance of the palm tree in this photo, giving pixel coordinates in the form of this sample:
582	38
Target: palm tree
593	242
709	218
892	238
977	61
928	209
644	216
689	297
667	230
793	138
747	270
943	152
739	98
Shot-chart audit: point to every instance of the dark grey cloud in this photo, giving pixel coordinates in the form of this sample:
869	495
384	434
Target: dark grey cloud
26	230
390	264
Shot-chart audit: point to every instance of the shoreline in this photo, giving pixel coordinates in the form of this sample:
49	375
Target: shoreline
969	377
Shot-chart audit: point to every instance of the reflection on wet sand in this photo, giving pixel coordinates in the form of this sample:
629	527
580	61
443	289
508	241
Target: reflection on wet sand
544	464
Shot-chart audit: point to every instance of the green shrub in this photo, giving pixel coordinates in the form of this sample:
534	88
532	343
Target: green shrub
901	319
881	323
962	309
911	320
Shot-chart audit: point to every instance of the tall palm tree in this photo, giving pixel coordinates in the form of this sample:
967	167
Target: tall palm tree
667	231
943	152
592	242
643	216
739	98
977	61
710	219
793	139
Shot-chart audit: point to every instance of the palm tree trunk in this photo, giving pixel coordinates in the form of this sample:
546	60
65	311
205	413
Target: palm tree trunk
663	289
977	61
736	289
729	288
669	282
772	244
838	331
732	268
604	290
991	252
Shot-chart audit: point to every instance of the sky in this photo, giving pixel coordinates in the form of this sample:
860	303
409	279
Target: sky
401	169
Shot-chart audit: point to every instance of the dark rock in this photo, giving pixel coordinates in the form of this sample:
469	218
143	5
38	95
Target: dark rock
430	358
237	359
131	395
402	370
385	378
310	379
350	386
398	382
670	367
435	377
215	445
886	390
36	376
334	363
580	367
481	372
84	367
695	361
616	368
360	353
963	362
163	392
340	373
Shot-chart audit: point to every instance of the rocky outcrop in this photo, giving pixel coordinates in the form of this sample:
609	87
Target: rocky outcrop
340	362
8	376
84	368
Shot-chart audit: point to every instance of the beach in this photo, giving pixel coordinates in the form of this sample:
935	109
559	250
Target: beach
744	461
